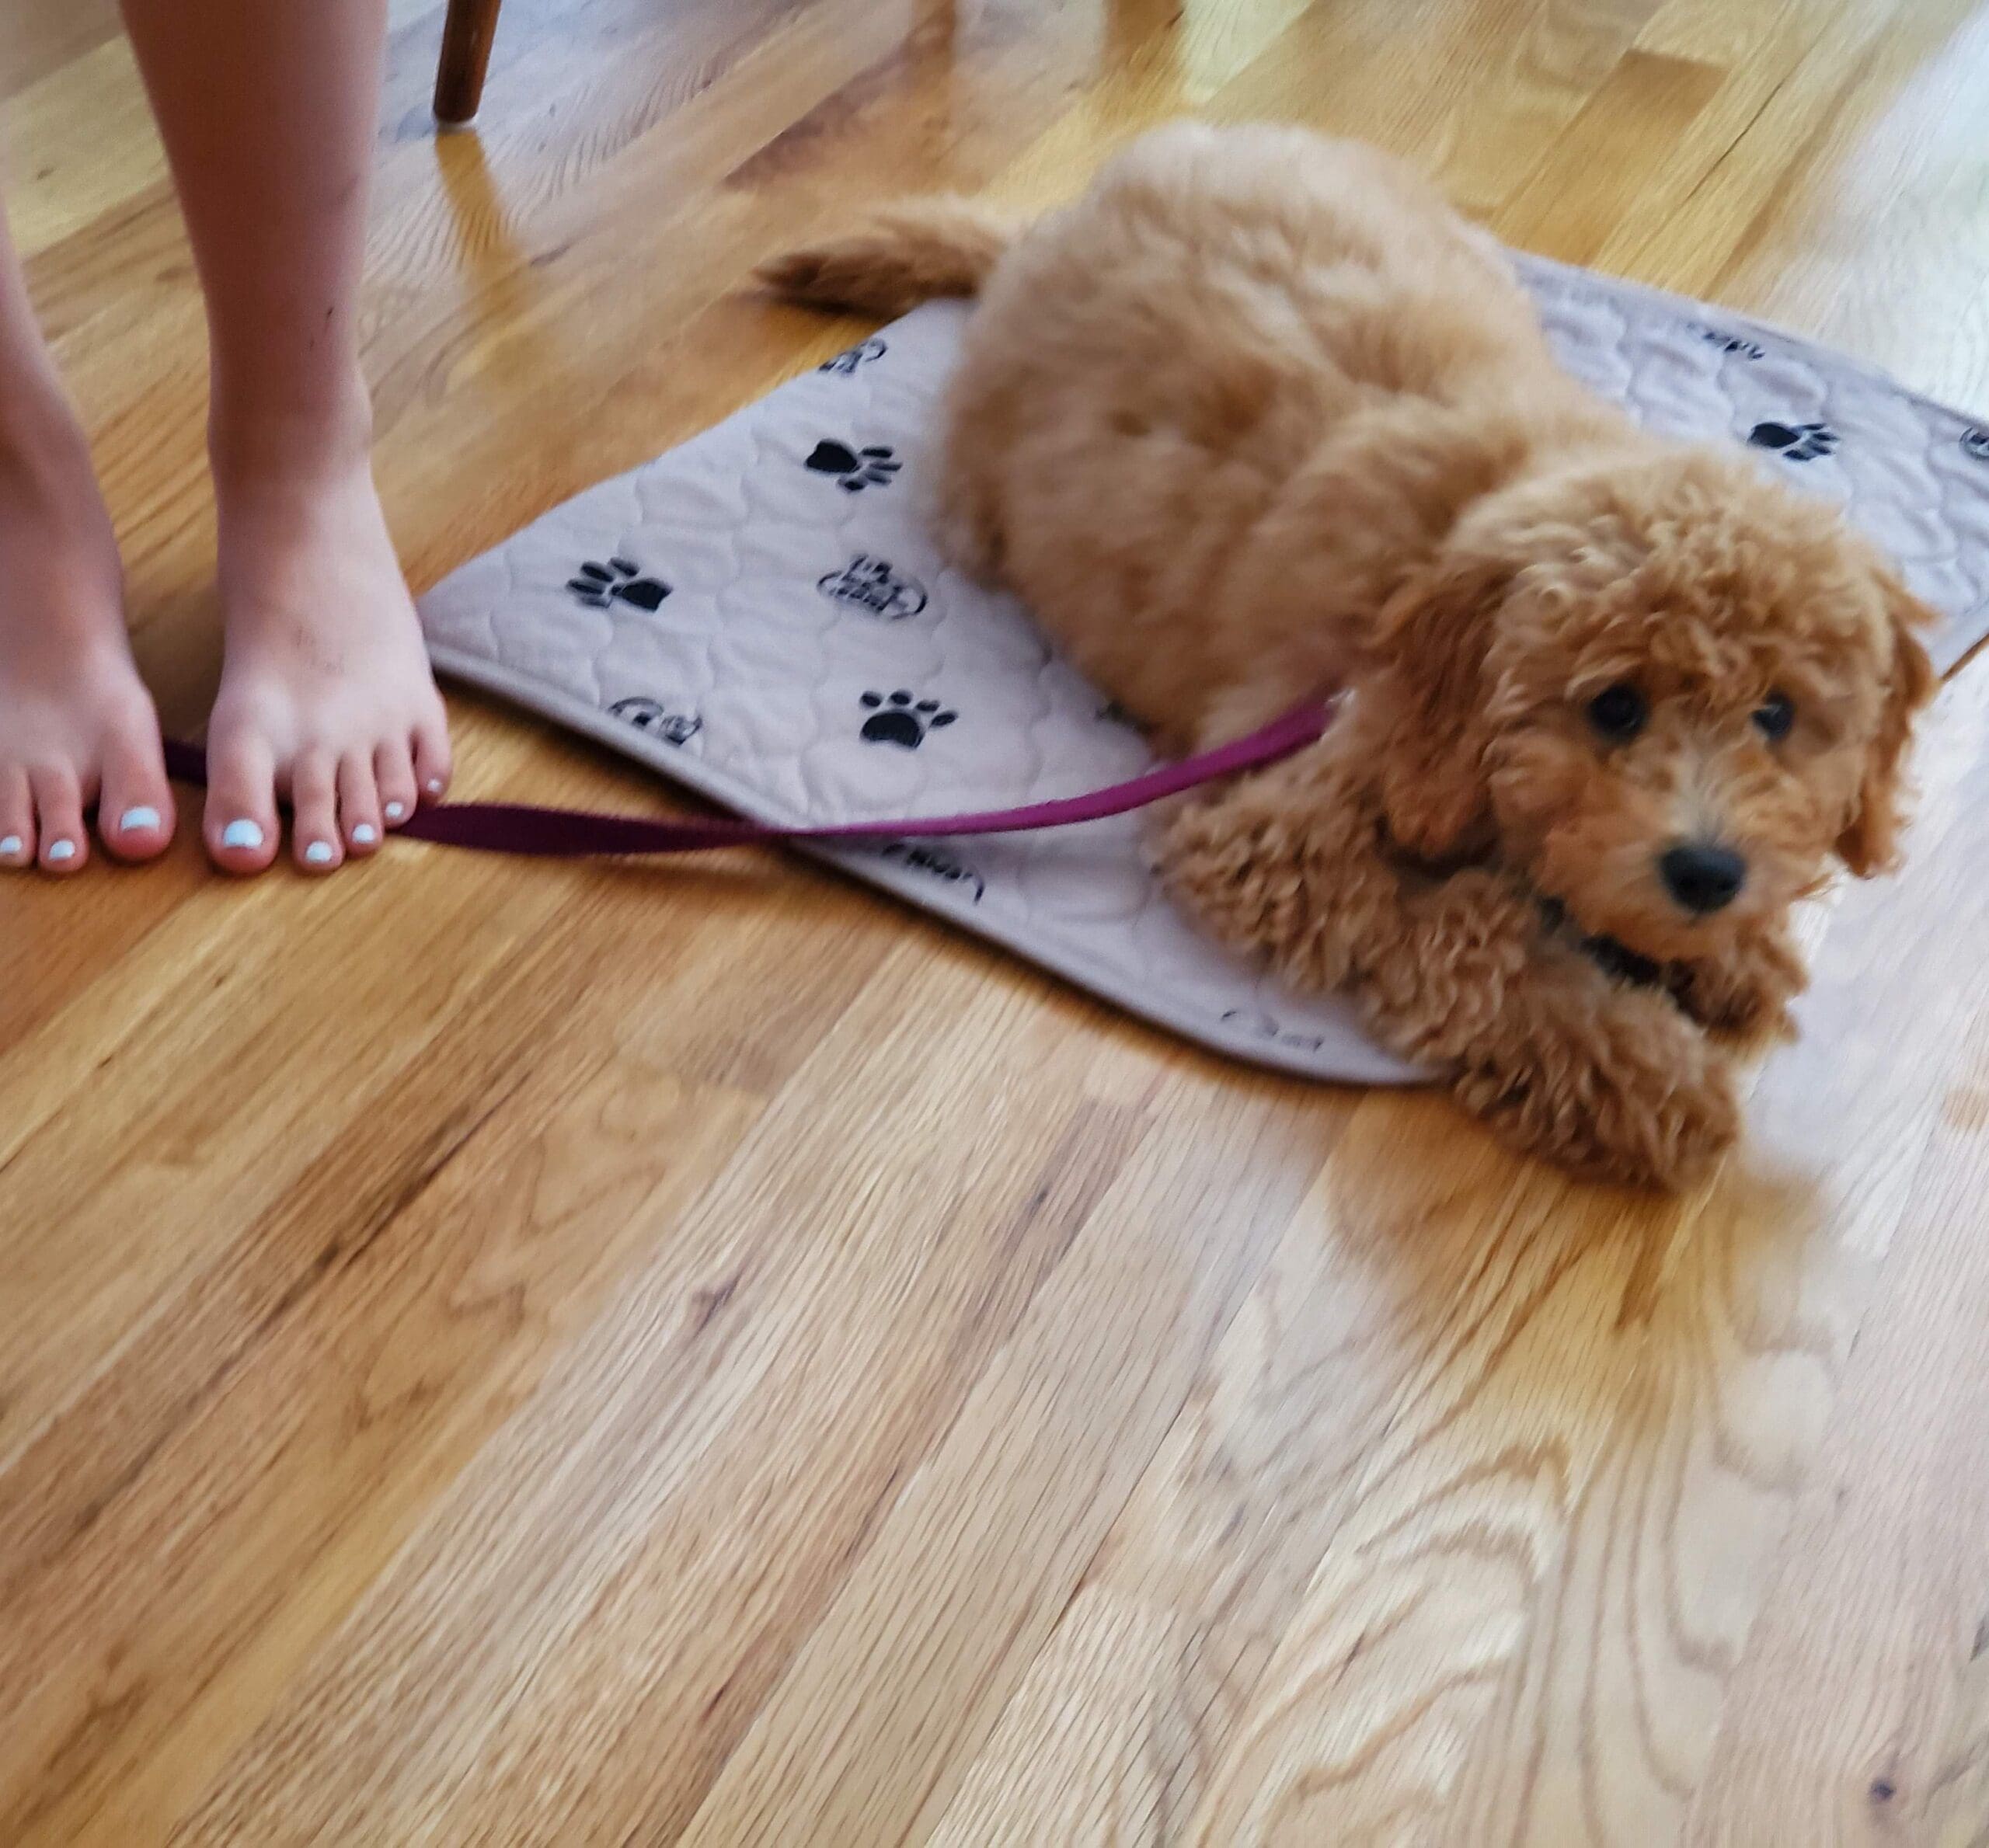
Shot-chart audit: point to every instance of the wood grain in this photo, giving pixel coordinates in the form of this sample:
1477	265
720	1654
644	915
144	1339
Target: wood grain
515	1353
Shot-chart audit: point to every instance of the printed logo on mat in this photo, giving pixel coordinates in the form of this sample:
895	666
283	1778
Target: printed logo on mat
1734	343
871	584
652	716
845	362
1256	1020
1977	443
926	857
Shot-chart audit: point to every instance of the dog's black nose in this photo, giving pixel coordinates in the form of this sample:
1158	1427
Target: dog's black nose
1702	877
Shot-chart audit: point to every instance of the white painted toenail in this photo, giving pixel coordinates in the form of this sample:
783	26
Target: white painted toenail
395	811
434	785
61	850
365	835
10	848
137	821
241	833
319	852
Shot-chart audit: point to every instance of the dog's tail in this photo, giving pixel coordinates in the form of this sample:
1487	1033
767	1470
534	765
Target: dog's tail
908	254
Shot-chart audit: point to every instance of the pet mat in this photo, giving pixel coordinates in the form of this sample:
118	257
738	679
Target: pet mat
761	614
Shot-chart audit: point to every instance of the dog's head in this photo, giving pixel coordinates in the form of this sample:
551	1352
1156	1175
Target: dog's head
1666	690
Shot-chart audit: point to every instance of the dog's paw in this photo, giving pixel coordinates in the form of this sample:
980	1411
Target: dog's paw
1670	1133
1744	997
1631	1094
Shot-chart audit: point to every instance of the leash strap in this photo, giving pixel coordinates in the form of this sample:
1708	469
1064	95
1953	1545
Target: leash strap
571	833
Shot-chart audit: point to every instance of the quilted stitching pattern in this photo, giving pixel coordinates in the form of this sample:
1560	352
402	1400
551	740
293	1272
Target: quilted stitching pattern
761	614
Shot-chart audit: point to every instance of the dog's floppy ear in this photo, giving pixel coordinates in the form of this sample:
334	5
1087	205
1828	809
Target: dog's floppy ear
1431	638
1868	843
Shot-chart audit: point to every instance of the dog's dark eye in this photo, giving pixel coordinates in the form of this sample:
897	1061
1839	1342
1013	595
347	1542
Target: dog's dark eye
1618	712
1774	716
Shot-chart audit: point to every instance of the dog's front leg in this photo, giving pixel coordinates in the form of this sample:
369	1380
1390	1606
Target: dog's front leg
1609	1080
1291	865
1744	995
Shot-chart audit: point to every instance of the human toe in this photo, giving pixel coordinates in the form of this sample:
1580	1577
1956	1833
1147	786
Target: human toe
17	834
359	817
240	825
134	810
315	843
58	805
393	776
433	763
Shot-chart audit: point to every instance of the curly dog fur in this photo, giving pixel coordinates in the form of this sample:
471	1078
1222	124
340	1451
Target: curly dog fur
1261	416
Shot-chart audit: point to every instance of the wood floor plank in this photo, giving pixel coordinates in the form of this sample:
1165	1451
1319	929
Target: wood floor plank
1473	95
388	1344
1864	249
1957	1795
1892	1538
82	144
210	1116
737	1378
1587	185
36	41
910	1667
1137	1697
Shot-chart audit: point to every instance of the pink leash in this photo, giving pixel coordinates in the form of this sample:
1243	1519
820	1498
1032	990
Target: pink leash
566	833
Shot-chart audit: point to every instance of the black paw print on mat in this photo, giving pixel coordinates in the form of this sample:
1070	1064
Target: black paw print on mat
597	585
855	469
1794	442
901	719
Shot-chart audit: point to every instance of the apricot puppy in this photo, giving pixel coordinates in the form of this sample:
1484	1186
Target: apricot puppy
1260	416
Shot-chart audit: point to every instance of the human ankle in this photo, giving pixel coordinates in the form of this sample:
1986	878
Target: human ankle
42	450
262	439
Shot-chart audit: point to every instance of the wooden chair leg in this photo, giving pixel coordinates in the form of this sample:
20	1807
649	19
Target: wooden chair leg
466	35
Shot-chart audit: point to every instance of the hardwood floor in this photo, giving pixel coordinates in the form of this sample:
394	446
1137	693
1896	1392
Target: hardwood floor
509	1353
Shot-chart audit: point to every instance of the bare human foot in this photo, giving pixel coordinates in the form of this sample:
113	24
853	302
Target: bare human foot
327	702
77	726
